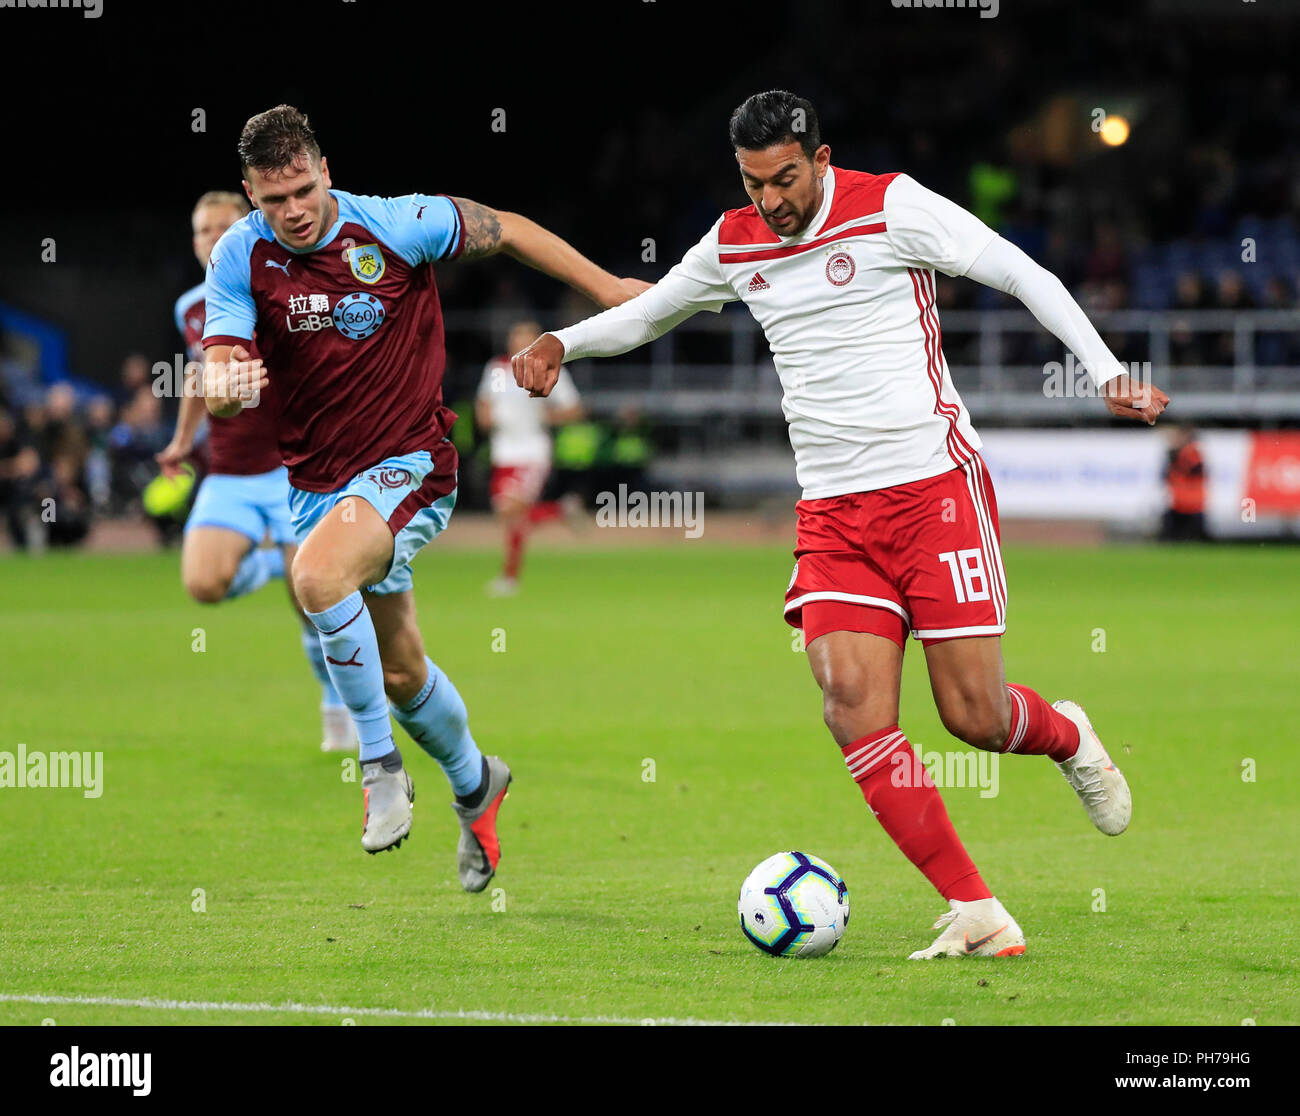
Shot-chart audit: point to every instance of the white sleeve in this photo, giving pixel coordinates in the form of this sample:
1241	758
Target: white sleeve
928	230
694	284
1005	267
485	385
564	394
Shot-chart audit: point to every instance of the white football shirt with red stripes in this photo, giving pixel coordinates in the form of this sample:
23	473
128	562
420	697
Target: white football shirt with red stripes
849	312
520	432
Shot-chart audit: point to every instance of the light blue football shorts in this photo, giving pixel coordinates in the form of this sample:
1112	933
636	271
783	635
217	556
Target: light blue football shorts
415	493
253	505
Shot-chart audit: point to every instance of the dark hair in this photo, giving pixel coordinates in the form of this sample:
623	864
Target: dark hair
775	117
275	139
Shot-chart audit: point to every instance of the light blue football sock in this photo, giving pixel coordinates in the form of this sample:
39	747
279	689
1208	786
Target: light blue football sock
347	638
437	721
316	657
258	567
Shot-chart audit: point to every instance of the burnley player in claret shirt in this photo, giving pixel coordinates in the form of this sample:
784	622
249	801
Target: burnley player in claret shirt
340	292
898	526
245	495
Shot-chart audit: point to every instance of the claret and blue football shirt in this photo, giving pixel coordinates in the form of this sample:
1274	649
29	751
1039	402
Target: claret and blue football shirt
350	330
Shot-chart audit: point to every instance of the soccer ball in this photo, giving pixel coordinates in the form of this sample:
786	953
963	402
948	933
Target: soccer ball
794	905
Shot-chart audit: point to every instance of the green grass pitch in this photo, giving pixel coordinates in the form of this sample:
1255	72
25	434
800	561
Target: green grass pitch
617	893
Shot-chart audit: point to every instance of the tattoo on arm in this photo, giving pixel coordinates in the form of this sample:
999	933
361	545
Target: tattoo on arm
482	229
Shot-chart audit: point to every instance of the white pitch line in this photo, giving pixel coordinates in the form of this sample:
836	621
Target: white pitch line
293	1008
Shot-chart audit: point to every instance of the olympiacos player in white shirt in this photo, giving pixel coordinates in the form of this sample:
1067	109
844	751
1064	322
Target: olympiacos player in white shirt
520	450
897	528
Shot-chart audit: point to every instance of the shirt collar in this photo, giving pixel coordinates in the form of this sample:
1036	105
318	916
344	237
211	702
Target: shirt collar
823	211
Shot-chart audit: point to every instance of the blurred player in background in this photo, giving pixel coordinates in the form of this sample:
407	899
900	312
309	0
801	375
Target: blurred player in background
521	450
898	527
245	495
339	290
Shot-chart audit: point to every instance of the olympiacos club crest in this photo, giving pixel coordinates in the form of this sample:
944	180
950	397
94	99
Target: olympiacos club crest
367	262
840	268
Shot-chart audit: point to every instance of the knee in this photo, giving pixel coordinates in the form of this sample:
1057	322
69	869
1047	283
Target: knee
983	722
315	587
207	586
844	694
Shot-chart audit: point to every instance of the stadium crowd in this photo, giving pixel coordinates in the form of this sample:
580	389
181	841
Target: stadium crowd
71	454
68	454
1195	212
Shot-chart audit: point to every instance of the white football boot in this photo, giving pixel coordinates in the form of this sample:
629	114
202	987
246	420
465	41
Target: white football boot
1100	785
502	587
981	928
478	852
338	732
388	797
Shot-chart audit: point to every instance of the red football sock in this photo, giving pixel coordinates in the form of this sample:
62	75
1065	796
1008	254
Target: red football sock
544	511
1037	729
900	792
514	551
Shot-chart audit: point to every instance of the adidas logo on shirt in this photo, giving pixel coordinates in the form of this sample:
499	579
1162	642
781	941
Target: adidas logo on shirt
758	283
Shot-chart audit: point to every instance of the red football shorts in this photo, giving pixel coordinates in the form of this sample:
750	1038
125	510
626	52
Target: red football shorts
923	557
518	482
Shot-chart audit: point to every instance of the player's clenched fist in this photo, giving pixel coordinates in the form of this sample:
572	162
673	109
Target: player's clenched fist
1130	398
233	384
538	366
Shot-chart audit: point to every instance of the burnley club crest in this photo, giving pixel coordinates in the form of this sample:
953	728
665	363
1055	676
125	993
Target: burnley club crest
367	262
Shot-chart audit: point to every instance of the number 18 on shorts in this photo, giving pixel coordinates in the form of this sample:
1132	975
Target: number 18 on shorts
923	557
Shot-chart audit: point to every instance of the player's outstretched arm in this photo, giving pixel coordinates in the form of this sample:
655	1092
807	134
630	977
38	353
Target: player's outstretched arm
928	230
231	379
190	415
1006	268
694	284
489	231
